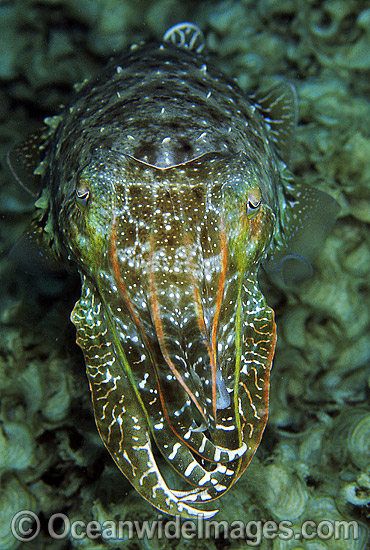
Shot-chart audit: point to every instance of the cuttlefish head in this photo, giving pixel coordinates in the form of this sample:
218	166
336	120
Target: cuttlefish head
169	258
170	252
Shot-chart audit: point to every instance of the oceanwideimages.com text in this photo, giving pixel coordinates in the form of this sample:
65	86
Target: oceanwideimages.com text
26	526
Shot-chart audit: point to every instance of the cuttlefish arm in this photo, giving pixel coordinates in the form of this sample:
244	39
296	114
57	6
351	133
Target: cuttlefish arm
120	417
256	339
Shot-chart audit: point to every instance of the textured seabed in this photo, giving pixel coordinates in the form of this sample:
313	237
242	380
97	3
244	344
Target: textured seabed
314	460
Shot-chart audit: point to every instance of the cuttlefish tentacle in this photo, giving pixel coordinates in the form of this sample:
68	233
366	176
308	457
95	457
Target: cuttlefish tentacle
181	423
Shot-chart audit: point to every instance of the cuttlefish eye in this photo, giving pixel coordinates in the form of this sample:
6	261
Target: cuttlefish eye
253	203
82	196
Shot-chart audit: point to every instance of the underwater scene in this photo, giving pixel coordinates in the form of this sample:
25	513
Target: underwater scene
209	191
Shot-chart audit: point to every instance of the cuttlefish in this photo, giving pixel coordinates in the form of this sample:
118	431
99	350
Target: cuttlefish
168	188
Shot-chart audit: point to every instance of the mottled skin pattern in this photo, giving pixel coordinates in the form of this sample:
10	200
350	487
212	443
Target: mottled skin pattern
161	184
162	105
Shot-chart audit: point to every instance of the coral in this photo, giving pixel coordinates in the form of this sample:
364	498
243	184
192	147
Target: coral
16	446
313	462
14	497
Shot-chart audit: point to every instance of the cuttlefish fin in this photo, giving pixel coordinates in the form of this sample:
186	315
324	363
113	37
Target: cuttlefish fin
33	251
279	109
24	159
33	254
186	35
311	217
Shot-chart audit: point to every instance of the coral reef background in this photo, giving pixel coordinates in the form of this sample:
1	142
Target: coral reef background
314	459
